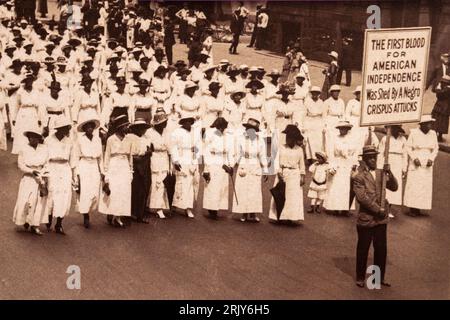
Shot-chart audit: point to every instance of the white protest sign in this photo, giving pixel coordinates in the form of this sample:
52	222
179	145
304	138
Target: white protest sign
394	75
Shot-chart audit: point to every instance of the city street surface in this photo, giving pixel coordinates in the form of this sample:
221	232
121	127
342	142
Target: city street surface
178	258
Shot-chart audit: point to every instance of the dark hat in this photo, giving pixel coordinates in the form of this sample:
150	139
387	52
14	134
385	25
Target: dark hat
144	58
292	131
121	80
252	124
180	63
396	127
220	122
159	70
369	150
55	85
284	88
233	71
142	83
29	76
74	42
256	83
214	84
159	51
49	60
86	80
16	63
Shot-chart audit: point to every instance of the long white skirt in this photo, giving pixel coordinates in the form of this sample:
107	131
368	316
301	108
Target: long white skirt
215	196
27	117
293	207
30	207
314	133
158	194
59	189
249	194
186	187
89	173
338	190
419	188
119	177
3	145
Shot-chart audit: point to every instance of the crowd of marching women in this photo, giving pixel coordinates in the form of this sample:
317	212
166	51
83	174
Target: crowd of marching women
126	132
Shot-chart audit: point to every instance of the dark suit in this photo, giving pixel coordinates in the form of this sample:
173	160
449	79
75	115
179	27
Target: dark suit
436	76
371	225
235	28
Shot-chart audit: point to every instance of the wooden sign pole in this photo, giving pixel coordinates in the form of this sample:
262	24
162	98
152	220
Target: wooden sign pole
386	161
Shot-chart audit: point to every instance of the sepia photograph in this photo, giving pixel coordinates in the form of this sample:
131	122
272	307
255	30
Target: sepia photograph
200	151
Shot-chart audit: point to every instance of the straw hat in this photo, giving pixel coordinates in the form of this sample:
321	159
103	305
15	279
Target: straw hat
315	89
159	117
190	84
369	150
357	89
320	154
335	87
274	73
344	124
80	127
252	124
33	131
139	123
426	118
334	54
62	122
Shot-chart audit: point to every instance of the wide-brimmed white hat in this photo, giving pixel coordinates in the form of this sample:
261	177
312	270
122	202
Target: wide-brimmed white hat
34	130
426	118
81	124
62	122
315	89
335	87
357	89
334	54
190	84
344	124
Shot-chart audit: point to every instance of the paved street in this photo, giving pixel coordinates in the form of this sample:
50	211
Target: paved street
179	258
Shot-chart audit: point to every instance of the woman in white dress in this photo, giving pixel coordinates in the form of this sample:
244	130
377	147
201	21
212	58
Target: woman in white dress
398	160
343	158
89	168
314	124
160	162
32	195
334	110
218	159
254	101
290	169
118	166
60	164
29	112
185	153
252	164
3	121
422	148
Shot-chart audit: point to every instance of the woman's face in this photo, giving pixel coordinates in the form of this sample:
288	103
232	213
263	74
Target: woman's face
54	92
335	94
33	140
425	127
358	96
254	89
343	131
290	141
89	128
120	87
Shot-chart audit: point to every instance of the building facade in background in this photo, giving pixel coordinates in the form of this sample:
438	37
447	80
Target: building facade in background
321	26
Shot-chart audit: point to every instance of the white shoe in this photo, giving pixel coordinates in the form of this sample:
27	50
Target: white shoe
160	214
189	213
391	216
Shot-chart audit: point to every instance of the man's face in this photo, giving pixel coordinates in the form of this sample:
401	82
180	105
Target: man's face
371	161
